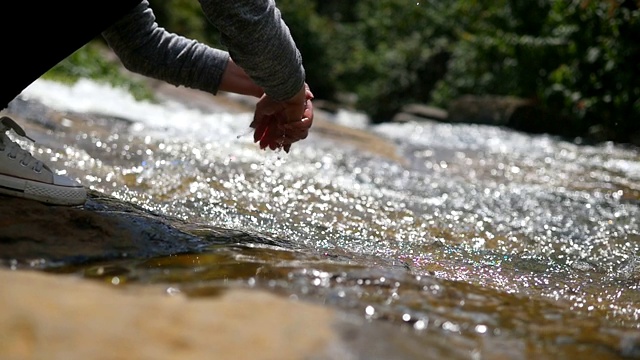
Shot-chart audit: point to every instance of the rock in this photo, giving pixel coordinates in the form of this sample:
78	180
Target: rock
489	110
403	117
58	316
61	317
635	139
525	115
53	316
104	228
416	112
326	105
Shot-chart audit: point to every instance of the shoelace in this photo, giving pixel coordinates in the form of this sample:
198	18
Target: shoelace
14	150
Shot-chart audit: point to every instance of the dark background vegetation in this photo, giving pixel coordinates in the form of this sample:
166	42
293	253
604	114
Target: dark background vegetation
576	59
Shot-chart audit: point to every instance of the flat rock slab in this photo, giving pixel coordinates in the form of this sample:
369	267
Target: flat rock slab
104	228
60	317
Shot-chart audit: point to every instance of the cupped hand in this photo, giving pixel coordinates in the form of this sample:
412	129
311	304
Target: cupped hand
278	124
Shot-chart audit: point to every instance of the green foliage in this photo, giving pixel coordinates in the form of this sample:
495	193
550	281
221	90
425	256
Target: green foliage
595	80
90	62
388	53
184	17
312	33
576	58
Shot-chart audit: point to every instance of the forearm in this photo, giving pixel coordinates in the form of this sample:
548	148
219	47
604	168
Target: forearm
236	80
147	49
260	42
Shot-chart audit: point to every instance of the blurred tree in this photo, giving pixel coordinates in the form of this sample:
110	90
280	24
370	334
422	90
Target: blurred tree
577	59
312	34
185	17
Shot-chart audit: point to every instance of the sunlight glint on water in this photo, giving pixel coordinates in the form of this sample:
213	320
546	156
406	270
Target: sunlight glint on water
461	241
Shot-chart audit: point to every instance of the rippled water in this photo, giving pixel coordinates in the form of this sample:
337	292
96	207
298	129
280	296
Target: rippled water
485	242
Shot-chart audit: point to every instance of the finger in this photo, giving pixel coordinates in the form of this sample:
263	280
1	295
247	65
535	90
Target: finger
260	131
286	141
271	135
293	132
293	113
274	130
262	125
264	140
291	138
294	135
304	124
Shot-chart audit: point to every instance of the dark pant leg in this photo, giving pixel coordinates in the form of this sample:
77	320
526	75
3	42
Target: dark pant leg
36	35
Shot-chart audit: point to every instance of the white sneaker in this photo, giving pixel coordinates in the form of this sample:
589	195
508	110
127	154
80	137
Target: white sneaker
24	176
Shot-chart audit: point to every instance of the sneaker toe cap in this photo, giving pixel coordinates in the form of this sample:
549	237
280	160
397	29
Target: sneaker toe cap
65	181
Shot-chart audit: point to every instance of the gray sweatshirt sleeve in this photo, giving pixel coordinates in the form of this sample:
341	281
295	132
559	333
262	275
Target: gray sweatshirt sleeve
147	49
260	42
253	31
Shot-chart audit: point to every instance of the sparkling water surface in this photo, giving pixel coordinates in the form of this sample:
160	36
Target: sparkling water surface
484	242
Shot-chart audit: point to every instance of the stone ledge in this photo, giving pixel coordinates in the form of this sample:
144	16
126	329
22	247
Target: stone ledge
61	317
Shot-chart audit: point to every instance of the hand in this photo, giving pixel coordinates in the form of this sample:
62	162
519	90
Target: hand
278	124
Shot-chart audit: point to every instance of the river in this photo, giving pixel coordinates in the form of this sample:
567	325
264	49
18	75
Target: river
482	242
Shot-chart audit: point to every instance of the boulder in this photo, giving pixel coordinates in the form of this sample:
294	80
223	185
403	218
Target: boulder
488	110
417	112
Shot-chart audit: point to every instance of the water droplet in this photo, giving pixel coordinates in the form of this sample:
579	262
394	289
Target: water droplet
481	329
420	325
369	310
173	291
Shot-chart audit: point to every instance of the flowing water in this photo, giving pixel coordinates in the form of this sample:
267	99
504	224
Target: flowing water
482	243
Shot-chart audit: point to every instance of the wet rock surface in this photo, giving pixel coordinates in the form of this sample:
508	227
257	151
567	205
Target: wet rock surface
57	317
65	316
487	244
104	228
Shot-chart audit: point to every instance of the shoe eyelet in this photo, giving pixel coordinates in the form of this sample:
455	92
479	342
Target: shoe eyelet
11	156
23	163
37	171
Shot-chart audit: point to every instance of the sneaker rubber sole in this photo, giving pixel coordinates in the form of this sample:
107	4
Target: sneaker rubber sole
43	192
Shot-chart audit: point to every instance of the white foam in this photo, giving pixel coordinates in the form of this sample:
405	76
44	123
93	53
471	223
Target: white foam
169	117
